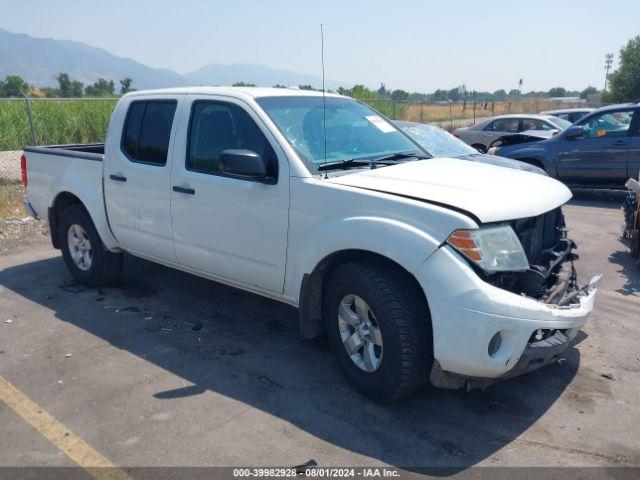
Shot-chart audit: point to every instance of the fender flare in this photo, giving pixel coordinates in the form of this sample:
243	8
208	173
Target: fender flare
540	156
358	236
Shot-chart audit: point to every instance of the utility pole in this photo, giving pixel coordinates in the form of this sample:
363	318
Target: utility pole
608	60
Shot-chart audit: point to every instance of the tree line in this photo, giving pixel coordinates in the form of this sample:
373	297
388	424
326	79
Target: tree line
14	86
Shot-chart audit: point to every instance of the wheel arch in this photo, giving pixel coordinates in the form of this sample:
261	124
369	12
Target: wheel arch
313	285
91	204
536	162
536	158
62	201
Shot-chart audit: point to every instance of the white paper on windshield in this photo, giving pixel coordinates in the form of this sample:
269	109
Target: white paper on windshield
380	123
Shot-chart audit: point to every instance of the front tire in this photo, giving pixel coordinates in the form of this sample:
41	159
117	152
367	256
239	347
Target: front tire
379	328
86	257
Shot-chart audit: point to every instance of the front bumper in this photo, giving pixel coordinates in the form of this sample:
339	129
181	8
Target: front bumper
466	313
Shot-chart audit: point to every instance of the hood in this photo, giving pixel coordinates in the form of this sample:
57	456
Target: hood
488	192
504	162
541	134
530	136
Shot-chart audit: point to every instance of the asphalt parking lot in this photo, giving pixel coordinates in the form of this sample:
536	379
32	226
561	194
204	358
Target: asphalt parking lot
167	369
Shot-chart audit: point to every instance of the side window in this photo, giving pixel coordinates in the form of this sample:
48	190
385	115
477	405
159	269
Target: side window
535	124
218	126
506	125
147	131
608	124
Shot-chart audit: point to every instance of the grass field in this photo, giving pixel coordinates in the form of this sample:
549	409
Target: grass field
56	121
439	112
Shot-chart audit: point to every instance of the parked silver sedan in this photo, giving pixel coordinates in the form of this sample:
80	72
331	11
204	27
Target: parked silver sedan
480	135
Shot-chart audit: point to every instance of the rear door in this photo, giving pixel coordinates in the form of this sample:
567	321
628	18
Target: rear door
498	128
599	157
137	178
228	228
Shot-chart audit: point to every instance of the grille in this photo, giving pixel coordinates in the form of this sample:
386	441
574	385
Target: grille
537	234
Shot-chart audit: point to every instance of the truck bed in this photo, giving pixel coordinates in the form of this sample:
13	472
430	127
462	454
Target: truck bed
73	168
86	151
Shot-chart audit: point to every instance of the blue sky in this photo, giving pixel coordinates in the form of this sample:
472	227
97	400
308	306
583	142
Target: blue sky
415	45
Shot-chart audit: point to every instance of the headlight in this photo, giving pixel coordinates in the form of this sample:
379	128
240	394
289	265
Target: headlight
494	151
494	249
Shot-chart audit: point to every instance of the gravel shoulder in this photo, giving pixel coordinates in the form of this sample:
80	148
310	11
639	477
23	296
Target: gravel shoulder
18	230
10	165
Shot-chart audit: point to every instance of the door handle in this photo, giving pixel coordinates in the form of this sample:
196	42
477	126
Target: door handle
619	143
188	191
118	178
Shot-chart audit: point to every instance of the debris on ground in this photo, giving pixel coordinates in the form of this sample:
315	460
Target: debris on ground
8	321
608	376
267	381
72	288
302	469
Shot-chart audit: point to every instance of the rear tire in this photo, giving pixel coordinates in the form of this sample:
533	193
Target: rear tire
86	257
398	332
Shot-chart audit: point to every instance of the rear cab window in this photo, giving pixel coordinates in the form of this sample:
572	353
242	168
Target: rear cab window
147	131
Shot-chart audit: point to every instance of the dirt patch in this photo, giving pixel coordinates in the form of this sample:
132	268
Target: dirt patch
17	228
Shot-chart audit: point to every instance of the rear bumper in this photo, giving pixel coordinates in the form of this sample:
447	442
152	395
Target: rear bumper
467	312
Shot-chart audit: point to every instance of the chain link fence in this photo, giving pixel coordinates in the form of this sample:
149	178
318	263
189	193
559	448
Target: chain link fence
39	121
450	115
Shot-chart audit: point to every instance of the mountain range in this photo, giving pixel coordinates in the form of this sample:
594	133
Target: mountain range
39	60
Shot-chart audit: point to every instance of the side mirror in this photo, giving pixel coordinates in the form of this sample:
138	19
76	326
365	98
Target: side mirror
574	131
245	164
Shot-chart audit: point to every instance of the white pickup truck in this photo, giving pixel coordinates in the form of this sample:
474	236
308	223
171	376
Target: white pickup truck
415	268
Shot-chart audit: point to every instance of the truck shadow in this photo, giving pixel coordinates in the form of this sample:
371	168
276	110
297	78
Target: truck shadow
247	348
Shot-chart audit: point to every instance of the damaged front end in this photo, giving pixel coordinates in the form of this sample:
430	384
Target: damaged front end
505	322
551	277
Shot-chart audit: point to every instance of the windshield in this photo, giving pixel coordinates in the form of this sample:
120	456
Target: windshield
354	131
436	141
560	122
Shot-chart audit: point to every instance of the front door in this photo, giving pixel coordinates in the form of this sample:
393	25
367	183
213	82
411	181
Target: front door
225	227
137	179
633	164
599	156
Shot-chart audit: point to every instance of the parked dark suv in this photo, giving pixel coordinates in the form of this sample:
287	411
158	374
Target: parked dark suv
601	150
